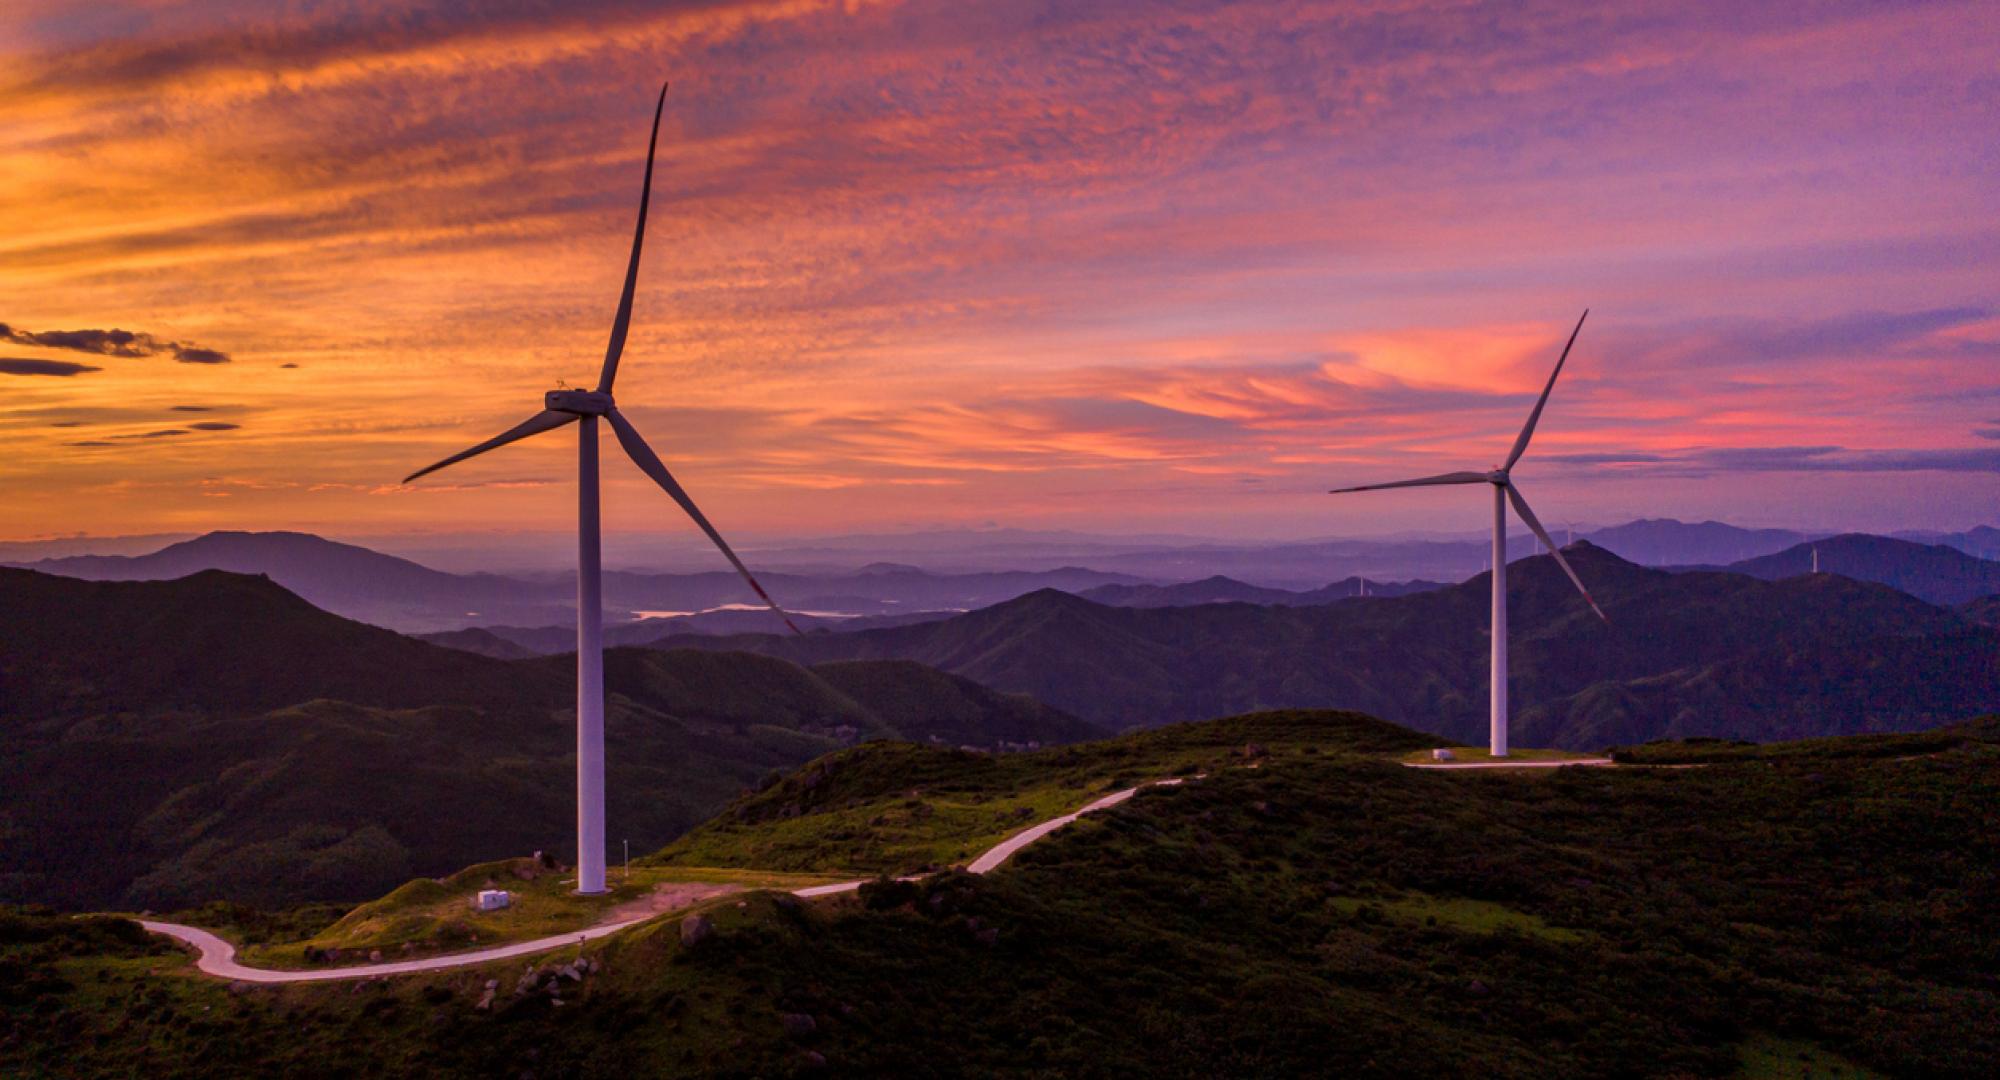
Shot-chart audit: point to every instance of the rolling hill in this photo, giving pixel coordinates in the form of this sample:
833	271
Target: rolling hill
217	736
1935	572
1418	660
1816	909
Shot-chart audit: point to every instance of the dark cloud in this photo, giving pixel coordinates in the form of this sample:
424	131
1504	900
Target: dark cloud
89	442
67	423
161	434
21	365
193	408
288	365
214	425
113	343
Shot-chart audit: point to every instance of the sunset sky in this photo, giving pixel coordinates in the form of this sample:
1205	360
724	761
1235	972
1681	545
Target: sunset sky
1104	266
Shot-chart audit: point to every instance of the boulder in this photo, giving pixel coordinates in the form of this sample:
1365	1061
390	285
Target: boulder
696	929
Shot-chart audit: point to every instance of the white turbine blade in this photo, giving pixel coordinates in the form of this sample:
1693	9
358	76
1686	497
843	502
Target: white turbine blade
649	462
624	319
1422	481
546	420
1528	430
1527	515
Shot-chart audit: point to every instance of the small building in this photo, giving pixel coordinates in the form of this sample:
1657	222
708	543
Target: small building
1441	754
492	900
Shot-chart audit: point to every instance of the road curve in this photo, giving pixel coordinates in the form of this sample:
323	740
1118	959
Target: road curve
1564	764
218	957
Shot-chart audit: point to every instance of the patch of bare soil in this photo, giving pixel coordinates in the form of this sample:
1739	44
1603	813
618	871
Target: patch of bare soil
668	896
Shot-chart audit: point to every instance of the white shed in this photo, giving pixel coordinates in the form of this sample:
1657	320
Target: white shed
492	900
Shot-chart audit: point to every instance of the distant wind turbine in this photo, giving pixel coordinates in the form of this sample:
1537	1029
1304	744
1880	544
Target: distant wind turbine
1505	492
565	406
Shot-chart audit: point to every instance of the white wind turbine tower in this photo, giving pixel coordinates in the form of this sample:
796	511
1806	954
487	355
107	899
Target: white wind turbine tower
583	407
1505	492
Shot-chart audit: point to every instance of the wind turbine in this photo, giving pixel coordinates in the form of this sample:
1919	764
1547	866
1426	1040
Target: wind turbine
1505	492
584	407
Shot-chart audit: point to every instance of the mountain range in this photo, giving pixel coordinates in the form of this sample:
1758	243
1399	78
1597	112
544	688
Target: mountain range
402	595
1419	659
1938	573
218	736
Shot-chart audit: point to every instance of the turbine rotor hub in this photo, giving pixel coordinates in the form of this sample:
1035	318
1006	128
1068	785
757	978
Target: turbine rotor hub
580	402
1497	476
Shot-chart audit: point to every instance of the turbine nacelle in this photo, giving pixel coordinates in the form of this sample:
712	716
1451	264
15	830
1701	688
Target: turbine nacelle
578	402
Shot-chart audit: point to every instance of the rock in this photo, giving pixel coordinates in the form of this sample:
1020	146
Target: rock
486	999
374	956
239	988
988	936
798	1025
1253	750
570	972
1477	989
696	929
492	984
813	1059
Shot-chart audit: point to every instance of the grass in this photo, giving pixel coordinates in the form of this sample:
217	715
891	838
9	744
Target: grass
1464	754
1326	913
1456	913
900	808
1966	736
1767	1057
428	916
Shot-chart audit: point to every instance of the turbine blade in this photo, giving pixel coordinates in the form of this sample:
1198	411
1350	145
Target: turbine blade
649	463
1528	430
1422	481
624	320
1527	515
546	420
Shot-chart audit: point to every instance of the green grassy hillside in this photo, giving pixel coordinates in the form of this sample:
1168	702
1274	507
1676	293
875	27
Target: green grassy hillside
896	808
1827	911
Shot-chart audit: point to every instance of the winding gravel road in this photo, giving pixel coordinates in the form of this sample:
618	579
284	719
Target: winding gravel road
218	957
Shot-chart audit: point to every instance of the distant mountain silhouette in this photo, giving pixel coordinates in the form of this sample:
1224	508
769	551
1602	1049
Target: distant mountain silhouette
1227	590
1933	572
406	596
1417	660
216	736
341	578
1667	542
